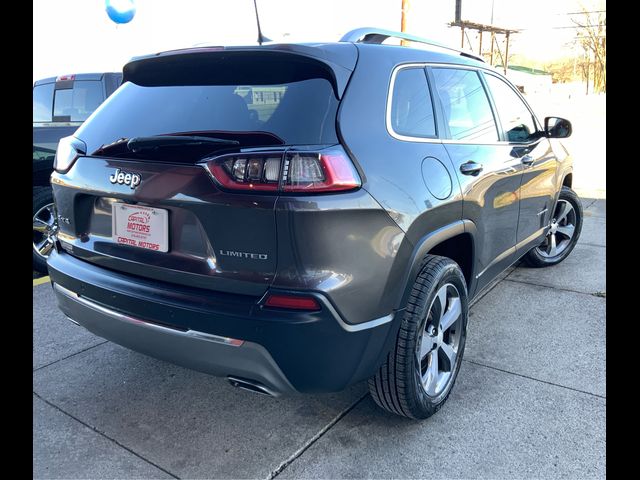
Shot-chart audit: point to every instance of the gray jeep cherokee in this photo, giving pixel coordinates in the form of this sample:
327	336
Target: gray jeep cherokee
301	217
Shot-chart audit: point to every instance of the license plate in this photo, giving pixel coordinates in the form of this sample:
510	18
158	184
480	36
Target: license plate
142	227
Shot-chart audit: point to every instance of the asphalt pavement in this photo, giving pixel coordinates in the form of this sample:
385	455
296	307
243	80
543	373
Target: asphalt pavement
529	401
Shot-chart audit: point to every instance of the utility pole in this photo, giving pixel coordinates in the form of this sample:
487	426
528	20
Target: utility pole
493	35
466	25
506	55
403	19
458	19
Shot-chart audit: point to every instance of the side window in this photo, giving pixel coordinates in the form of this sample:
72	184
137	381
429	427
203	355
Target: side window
514	115
465	105
411	107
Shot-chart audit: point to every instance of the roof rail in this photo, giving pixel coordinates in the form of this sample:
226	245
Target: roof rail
377	36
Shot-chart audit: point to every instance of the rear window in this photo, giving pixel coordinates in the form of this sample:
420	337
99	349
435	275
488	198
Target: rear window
42	102
300	112
77	103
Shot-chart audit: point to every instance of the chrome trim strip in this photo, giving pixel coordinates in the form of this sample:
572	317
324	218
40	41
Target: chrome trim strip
324	301
406	138
511	250
376	322
66	291
136	321
358	327
541	232
524	100
365	325
390	129
499	258
57	124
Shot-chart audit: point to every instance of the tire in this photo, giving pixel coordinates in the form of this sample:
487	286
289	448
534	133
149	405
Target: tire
44	226
399	385
563	221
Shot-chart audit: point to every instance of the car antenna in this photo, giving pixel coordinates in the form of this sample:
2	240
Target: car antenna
261	38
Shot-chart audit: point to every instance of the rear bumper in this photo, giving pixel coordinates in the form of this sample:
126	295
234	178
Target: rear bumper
192	349
282	351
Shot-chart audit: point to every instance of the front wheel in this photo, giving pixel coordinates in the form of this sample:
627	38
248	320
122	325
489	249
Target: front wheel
563	234
417	376
45	227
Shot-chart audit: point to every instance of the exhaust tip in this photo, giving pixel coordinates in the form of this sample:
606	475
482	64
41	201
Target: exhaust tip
251	386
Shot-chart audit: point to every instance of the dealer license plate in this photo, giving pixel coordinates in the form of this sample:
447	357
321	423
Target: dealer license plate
142	227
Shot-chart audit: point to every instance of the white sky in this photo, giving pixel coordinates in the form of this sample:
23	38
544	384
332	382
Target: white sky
74	36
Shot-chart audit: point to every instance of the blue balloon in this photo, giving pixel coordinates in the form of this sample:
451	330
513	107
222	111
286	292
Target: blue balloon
120	11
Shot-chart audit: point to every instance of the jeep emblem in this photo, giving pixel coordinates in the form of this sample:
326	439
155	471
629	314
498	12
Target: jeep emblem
124	178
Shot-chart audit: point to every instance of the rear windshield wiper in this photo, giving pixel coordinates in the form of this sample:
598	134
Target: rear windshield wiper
138	144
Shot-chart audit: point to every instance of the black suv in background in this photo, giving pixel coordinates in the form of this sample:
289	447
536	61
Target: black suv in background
303	217
60	105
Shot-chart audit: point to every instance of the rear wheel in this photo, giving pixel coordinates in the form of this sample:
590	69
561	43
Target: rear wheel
564	231
417	376
45	226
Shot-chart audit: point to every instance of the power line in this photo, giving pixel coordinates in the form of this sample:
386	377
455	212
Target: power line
581	13
576	26
540	27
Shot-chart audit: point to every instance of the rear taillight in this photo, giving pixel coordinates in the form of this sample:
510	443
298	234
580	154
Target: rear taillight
292	302
328	170
69	149
258	172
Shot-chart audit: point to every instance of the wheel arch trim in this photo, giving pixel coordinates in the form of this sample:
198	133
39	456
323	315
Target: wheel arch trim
425	244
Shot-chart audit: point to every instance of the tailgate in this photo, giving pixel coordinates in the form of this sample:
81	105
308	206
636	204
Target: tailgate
211	235
154	210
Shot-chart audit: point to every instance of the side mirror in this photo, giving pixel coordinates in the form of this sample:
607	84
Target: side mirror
556	127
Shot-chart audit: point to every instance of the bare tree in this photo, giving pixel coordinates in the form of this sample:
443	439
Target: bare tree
562	70
592	35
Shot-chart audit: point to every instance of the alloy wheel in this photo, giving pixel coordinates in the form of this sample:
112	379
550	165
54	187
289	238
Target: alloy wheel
561	230
45	227
437	350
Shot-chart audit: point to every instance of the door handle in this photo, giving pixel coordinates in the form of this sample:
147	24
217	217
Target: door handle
471	168
527	160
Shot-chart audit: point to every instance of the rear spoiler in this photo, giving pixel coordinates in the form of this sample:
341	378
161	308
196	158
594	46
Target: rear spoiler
244	65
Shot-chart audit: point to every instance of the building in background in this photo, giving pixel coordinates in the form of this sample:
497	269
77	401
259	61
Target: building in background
529	80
